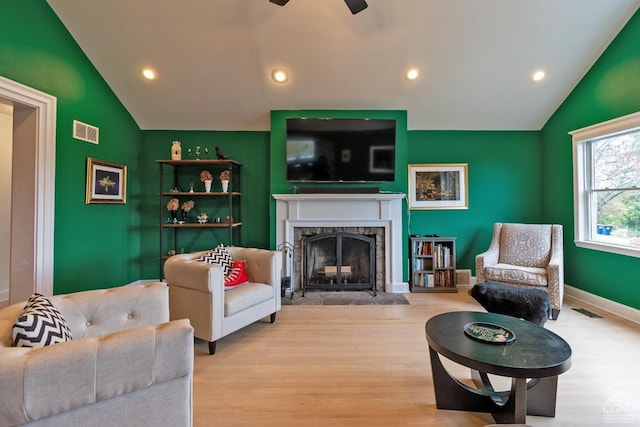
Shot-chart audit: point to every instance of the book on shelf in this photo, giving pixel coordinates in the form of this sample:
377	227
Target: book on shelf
422	248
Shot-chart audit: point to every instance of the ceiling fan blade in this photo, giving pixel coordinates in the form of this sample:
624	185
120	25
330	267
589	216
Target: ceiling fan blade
279	2
356	6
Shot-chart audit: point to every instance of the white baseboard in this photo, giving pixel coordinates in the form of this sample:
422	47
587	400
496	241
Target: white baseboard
613	307
4	298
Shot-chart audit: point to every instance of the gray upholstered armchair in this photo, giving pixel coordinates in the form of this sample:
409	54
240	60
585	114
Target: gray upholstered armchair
529	255
197	292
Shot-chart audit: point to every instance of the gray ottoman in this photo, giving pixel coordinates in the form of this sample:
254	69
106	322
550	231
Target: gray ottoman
525	303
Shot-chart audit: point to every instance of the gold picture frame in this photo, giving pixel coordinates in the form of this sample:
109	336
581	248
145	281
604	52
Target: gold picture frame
438	186
106	182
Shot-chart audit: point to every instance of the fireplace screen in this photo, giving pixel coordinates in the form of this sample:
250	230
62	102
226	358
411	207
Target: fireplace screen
339	261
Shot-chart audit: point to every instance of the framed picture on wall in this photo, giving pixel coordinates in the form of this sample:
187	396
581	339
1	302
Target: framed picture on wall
438	186
106	182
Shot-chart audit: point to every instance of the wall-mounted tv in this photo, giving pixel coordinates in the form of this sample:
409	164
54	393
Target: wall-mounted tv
340	150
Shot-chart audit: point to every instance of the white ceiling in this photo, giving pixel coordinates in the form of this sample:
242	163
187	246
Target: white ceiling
213	58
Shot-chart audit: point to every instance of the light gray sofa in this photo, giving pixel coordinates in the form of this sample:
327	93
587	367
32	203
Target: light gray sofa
196	292
126	365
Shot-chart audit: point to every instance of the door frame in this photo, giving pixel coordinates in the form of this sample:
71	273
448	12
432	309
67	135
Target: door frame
45	106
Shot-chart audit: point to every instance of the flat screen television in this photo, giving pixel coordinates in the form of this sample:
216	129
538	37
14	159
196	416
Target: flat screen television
340	150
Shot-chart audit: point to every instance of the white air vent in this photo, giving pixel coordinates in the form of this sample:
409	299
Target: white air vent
85	132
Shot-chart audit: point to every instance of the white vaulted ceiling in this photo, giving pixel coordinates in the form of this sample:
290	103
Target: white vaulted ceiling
213	58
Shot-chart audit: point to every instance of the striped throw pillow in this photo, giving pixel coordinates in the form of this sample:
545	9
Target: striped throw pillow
40	324
219	256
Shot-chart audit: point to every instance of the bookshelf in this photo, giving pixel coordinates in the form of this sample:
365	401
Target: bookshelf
432	264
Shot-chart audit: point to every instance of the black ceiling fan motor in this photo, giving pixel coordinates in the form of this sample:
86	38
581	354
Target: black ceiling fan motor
356	6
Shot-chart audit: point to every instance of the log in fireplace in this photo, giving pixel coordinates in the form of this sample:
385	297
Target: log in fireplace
339	261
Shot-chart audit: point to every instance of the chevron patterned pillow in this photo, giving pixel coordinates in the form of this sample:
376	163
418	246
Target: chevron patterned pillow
40	324
219	256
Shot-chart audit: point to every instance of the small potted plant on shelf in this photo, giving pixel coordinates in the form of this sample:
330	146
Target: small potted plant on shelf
186	207
173	206
224	179
207	178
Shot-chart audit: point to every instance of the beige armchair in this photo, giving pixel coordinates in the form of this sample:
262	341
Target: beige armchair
126	364
529	255
197	292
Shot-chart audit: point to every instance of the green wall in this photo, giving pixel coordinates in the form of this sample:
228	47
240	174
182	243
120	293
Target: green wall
503	185
95	246
249	148
610	89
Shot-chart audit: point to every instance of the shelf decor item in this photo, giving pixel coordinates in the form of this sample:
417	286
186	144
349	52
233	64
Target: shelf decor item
172	207
203	218
176	151
207	178
224	179
186	207
106	182
438	186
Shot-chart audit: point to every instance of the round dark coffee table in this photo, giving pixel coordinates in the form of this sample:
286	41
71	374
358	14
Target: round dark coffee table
533	361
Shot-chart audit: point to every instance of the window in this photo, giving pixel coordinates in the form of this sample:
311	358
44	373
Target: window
607	186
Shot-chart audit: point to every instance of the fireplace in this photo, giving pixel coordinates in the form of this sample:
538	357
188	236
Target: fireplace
377	216
338	260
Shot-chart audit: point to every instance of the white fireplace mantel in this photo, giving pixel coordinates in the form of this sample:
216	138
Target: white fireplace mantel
347	210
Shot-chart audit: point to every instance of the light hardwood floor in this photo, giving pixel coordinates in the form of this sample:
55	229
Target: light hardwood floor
369	366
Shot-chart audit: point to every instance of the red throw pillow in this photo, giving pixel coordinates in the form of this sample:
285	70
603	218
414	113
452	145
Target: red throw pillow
237	277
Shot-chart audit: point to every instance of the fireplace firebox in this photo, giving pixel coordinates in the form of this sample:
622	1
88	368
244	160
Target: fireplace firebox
339	261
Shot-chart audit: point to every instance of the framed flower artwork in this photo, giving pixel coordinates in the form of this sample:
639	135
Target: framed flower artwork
106	182
438	186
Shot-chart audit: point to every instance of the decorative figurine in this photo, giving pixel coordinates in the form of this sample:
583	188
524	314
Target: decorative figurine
220	154
198	152
203	218
176	151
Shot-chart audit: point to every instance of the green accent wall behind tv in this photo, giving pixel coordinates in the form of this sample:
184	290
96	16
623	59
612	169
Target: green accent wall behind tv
610	89
95	246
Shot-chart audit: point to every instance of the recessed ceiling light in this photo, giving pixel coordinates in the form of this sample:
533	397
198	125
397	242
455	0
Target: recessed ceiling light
538	76
148	73
412	73
279	75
